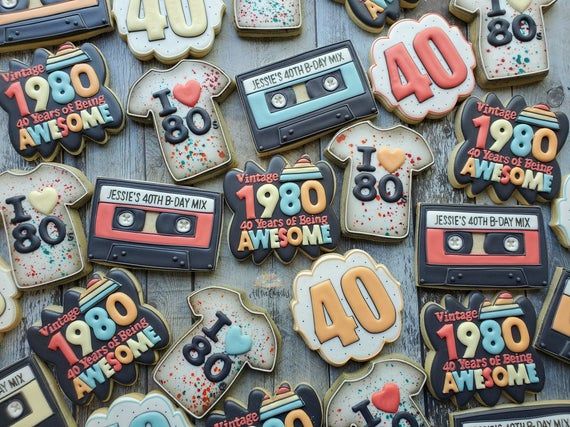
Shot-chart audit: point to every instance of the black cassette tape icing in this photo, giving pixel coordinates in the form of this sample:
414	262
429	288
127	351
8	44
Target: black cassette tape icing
154	226
297	100
33	23
29	397
474	246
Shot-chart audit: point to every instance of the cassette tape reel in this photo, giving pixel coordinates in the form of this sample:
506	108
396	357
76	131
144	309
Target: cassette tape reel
470	246
29	23
155	226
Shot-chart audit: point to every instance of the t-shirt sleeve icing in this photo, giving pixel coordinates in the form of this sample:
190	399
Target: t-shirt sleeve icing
544	2
342	146
420	154
214	79
264	348
67	184
471	6
140	97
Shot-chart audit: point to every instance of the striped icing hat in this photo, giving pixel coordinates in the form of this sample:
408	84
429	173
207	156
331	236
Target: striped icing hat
539	115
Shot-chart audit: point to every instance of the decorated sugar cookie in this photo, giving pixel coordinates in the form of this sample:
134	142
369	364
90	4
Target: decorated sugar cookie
381	394
10	310
373	15
299	407
169	30
59	101
182	103
422	69
347	307
228	335
377	189
45	236
134	409
28	24
261	18
155	226
508	150
476	246
481	349
299	99
542	413
510	39
560	220
30	397
554	321
282	209
99	336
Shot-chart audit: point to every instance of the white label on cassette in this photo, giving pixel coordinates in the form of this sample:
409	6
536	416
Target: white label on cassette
155	199
297	71
546	420
15	381
482	221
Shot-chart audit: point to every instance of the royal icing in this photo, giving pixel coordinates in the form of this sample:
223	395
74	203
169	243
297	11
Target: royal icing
28	396
228	335
539	414
560	220
373	15
288	407
39	212
137	410
169	30
182	103
28	23
347	307
59	100
476	246
99	336
282	209
510	37
554	329
155	226
482	348
508	150
10	311
297	100
422	69
380	395
377	186
270	18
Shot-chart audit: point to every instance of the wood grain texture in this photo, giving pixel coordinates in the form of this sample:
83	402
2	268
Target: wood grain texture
135	154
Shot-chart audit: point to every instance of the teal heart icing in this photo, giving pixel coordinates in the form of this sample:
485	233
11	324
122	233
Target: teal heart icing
236	342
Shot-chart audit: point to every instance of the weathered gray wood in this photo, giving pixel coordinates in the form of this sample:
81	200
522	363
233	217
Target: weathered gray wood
135	154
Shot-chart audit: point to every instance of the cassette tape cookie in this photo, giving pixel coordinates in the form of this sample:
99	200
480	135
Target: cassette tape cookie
32	23
297	100
155	226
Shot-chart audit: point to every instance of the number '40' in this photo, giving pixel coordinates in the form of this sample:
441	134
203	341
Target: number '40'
154	22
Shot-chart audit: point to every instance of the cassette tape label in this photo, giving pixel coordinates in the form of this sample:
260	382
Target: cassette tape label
297	71
297	100
15	381
155	226
477	246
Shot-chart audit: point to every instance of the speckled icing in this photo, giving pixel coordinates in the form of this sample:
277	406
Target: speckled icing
194	37
49	264
331	268
187	383
351	389
267	14
138	410
517	58
398	151
9	307
443	99
197	155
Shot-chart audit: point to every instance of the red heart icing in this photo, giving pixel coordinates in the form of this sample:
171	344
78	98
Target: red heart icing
188	93
387	399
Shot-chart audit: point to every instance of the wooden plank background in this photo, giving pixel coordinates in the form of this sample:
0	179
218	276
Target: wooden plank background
135	154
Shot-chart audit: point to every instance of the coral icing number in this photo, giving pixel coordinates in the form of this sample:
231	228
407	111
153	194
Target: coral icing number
447	76
524	139
61	86
501	31
341	325
154	22
103	324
